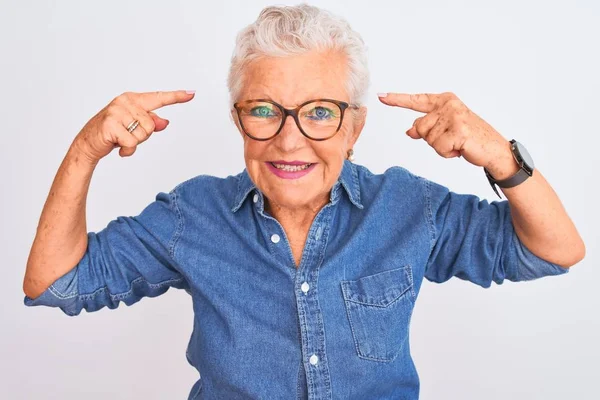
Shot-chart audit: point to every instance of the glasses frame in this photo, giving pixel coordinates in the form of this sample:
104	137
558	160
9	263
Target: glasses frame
294	113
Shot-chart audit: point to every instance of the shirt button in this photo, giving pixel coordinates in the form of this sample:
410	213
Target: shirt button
255	198
305	287
275	238
319	231
314	359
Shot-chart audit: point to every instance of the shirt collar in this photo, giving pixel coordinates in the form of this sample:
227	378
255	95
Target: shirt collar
348	179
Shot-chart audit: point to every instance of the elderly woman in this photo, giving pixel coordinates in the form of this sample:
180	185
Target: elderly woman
304	268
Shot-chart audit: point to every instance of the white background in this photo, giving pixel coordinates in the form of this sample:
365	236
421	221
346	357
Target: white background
530	69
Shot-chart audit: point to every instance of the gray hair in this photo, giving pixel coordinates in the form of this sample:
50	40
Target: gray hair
281	31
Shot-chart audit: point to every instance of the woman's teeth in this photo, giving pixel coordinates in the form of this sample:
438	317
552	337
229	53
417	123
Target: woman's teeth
291	168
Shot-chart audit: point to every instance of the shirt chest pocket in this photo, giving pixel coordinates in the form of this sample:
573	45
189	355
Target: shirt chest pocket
379	308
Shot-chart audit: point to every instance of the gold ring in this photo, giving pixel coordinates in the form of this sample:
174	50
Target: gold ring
132	125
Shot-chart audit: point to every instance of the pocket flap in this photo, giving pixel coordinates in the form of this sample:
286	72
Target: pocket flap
380	289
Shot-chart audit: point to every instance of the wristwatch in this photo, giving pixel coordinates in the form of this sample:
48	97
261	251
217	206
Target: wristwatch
526	165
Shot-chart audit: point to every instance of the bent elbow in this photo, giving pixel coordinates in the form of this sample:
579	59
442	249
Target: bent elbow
33	288
580	253
577	255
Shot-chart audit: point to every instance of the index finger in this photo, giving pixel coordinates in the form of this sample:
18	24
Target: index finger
423	102
152	100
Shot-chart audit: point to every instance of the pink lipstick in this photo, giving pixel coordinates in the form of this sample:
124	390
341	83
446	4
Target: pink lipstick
289	173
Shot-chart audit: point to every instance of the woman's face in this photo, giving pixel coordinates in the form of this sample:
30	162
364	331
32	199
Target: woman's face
291	81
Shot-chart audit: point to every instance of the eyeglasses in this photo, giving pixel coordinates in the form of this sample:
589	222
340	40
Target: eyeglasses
318	119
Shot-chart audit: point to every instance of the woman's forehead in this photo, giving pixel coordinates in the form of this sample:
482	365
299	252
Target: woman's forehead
296	78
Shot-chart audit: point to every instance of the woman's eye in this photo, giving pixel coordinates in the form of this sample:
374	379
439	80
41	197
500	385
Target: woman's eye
262	111
320	113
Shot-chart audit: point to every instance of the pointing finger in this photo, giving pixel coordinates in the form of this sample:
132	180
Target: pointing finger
152	100
423	102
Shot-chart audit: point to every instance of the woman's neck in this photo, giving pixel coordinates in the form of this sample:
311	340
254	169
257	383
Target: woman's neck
297	218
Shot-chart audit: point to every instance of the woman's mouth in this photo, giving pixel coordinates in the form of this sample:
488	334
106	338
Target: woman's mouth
292	170
290	167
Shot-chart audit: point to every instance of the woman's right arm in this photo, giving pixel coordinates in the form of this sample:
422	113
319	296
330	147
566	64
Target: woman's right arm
61	237
61	242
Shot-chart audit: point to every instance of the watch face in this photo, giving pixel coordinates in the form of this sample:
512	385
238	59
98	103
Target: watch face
525	155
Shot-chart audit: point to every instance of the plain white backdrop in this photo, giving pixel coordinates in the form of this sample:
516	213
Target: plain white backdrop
530	69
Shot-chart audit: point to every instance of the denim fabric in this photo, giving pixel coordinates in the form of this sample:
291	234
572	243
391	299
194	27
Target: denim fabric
336	327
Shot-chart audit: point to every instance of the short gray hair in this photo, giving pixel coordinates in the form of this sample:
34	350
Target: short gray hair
281	31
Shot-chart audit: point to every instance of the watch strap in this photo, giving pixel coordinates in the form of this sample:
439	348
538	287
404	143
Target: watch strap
512	181
492	182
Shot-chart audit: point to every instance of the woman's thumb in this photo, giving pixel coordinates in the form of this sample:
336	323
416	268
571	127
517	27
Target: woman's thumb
160	123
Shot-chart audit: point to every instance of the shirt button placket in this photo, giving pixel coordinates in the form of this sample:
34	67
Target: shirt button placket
312	330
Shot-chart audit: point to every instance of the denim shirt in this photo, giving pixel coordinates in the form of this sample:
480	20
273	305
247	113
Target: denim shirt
336	327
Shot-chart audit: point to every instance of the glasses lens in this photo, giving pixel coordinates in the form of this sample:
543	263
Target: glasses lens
320	119
260	119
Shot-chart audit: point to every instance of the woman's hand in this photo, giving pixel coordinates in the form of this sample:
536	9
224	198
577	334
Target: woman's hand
108	129
452	129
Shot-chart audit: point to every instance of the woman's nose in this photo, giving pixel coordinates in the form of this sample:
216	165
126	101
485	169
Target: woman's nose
290	134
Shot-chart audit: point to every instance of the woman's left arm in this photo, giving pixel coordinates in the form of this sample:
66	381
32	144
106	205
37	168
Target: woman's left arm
453	130
540	220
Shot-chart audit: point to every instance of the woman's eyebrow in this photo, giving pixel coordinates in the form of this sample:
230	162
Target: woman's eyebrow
263	95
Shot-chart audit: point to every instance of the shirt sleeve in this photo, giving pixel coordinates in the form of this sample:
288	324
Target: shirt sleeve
131	258
475	240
